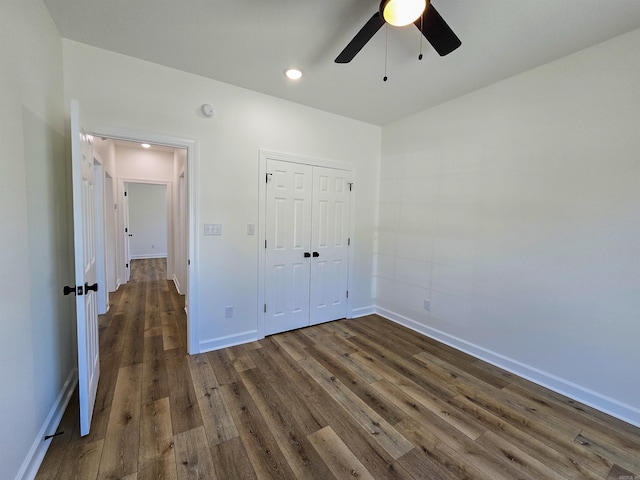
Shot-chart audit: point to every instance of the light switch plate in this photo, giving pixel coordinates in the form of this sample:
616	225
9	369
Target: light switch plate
251	229
213	229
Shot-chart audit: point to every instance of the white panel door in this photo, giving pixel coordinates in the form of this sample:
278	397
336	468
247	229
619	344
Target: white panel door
288	237
85	267
329	245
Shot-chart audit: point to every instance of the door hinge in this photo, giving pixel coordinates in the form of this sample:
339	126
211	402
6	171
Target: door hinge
350	186
265	244
126	265
126	230
266	179
125	193
188	261
347	293
348	242
265	308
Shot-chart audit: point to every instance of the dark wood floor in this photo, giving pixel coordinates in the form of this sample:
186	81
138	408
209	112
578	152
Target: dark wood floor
361	398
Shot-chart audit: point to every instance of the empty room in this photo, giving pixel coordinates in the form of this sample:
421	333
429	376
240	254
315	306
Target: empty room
385	244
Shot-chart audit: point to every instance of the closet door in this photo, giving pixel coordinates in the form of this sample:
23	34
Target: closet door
329	244
288	252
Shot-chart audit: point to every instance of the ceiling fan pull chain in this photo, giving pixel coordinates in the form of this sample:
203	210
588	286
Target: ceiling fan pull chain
421	35
386	48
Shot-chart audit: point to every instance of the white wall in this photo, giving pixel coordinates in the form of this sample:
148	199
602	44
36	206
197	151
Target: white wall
515	211
147	220
37	344
149	165
162	100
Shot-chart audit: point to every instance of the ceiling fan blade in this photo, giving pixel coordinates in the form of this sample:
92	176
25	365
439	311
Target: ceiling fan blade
360	40
437	32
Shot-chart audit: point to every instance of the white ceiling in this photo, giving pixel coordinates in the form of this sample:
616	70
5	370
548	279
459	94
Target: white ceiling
250	43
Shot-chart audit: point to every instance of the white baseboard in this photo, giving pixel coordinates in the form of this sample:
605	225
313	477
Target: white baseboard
610	406
39	447
363	311
151	255
176	282
228	341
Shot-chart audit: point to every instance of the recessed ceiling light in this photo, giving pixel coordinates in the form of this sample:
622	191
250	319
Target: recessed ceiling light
293	74
145	145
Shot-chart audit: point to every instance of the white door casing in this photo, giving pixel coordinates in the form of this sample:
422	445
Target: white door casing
288	239
85	267
307	216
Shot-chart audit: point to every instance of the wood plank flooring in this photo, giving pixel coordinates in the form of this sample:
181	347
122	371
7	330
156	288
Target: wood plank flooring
362	398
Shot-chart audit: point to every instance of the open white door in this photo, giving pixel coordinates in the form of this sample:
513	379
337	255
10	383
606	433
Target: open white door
85	267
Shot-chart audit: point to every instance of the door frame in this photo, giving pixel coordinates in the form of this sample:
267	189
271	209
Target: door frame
101	250
124	215
191	146
265	155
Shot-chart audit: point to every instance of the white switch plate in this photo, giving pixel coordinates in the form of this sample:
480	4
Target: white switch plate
213	229
427	305
251	229
228	312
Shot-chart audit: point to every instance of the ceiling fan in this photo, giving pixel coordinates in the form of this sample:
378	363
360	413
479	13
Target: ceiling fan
400	13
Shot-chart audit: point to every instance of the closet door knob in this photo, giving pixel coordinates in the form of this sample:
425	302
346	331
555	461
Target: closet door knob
315	254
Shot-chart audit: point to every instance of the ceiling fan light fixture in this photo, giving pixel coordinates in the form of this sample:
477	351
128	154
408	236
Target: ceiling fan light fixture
402	12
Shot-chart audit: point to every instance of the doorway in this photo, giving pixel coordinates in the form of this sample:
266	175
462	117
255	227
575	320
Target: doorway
180	212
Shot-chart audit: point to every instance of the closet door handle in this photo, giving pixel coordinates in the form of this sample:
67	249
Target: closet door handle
307	254
315	254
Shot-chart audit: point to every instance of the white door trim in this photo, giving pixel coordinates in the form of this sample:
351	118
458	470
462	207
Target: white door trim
103	291
264	155
192	296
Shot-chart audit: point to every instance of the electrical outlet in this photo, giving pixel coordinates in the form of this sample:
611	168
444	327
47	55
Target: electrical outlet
427	305
228	312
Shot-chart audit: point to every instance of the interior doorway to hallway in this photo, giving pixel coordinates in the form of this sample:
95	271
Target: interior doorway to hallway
164	162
